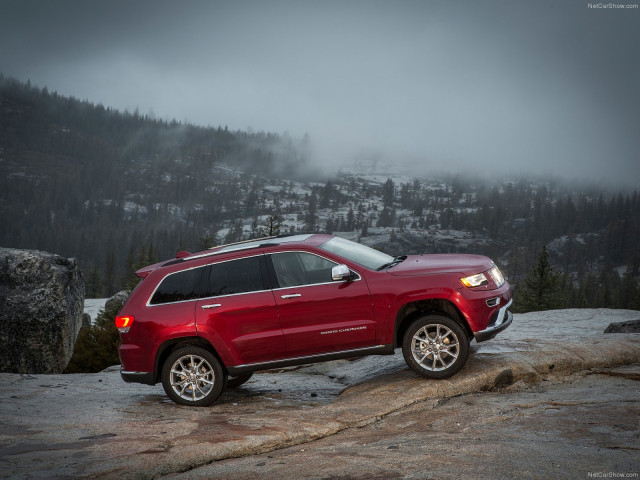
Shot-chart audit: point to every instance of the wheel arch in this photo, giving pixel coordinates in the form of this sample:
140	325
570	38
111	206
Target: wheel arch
433	306
171	345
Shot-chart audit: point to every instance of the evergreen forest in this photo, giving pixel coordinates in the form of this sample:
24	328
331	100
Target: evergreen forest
119	190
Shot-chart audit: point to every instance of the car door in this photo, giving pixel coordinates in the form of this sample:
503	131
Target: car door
239	311
318	315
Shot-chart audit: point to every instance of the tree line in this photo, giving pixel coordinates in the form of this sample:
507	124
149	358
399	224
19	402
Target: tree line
119	190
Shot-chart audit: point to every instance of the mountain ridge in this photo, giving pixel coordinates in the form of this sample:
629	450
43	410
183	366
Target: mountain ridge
118	190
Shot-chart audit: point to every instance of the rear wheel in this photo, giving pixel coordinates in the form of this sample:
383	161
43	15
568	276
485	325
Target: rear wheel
435	346
233	382
193	376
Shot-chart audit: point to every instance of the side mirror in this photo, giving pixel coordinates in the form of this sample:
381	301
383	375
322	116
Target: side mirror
340	272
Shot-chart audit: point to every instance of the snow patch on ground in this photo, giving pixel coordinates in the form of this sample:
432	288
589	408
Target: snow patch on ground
569	323
93	306
556	325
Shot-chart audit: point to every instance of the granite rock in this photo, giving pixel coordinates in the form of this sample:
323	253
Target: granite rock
632	326
41	307
117	301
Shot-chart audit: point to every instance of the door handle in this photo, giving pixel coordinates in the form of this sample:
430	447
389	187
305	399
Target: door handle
291	295
215	305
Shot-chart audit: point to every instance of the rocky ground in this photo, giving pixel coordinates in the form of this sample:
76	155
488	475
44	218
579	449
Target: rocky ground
562	428
550	397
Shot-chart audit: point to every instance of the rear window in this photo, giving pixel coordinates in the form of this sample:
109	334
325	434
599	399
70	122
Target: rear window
178	287
235	276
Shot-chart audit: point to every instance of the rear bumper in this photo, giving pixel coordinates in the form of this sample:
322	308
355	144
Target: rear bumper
138	377
500	322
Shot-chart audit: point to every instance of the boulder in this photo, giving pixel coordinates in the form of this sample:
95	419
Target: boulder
41	307
86	320
632	326
117	301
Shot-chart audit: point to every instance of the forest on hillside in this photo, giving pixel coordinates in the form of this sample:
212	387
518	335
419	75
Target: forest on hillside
86	181
118	190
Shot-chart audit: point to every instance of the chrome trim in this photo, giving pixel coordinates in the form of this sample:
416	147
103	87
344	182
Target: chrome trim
304	357
148	304
493	302
242	242
202	298
306	285
124	372
169	303
502	312
293	295
500	324
225	248
359	277
340	272
232	294
215	305
259	242
246	245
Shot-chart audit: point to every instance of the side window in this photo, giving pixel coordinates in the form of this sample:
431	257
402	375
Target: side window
300	268
235	276
178	287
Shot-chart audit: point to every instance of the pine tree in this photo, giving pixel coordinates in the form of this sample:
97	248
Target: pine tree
130	280
207	241
271	226
311	217
93	284
541	287
96	347
365	229
110	274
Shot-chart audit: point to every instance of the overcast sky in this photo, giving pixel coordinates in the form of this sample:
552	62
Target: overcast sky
482	86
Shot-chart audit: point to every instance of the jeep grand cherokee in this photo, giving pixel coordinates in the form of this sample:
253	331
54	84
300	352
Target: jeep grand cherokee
205	321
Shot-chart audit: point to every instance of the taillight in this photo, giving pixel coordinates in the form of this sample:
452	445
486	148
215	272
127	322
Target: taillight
123	323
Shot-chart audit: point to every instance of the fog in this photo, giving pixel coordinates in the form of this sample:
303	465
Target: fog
482	87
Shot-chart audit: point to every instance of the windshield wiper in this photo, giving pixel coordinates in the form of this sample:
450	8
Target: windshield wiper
392	263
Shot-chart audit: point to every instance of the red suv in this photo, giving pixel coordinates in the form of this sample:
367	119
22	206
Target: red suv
204	321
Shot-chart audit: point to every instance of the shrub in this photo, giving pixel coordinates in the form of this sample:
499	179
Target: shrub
96	347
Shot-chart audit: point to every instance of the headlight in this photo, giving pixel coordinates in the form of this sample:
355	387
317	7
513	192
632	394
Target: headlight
480	279
474	280
497	276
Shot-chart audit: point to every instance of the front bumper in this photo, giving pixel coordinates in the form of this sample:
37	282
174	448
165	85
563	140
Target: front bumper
501	320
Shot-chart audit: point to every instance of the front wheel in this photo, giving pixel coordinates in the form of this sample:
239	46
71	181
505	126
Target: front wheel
193	376
435	346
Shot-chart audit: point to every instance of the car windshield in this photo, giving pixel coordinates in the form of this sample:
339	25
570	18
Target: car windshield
357	253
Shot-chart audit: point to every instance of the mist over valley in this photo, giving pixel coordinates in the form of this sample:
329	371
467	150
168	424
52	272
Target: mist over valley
119	190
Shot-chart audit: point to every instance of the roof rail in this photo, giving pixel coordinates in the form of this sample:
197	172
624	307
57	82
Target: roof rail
245	241
257	243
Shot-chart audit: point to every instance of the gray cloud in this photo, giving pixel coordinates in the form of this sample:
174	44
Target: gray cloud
491	86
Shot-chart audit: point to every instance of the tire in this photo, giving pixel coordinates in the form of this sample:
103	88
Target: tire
435	346
193	376
234	382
